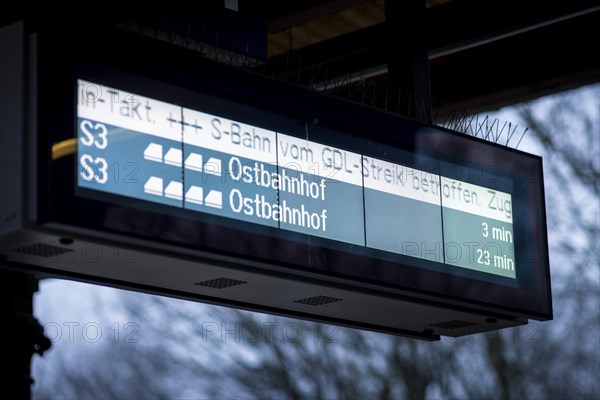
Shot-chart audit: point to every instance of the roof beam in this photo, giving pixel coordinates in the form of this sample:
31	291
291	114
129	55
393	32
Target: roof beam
454	32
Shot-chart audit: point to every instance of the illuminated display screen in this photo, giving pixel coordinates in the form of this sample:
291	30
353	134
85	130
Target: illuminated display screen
143	148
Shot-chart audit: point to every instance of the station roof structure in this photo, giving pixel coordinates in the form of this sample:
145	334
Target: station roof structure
482	54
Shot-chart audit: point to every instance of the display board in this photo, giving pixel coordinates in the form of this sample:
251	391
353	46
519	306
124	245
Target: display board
149	168
145	148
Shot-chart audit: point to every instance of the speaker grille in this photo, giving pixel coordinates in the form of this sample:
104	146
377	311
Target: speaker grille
42	250
453	324
220	283
318	300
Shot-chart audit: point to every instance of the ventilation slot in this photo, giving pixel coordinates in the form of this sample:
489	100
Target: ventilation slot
318	300
220	283
453	324
42	250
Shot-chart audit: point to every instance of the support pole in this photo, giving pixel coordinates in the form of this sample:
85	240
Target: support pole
21	335
408	56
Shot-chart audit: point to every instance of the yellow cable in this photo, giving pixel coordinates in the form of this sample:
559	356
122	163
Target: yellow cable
64	148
